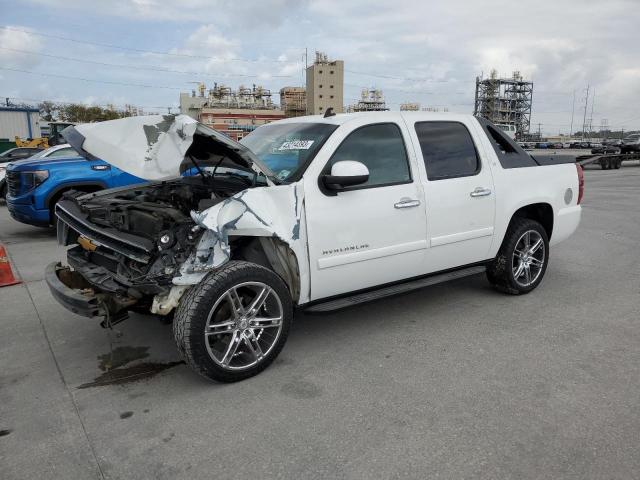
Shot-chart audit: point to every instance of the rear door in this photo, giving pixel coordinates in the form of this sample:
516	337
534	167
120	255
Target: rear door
459	189
370	234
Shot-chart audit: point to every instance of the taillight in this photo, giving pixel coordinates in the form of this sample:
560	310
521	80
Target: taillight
580	182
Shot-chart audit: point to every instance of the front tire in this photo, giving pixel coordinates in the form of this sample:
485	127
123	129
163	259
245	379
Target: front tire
234	323
522	259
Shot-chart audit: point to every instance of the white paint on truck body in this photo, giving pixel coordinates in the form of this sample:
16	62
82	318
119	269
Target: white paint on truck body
359	238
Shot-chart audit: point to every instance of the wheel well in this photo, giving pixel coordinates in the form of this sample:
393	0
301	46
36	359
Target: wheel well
79	188
271	253
540	212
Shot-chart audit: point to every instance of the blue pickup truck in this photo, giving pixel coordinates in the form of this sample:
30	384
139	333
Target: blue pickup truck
34	185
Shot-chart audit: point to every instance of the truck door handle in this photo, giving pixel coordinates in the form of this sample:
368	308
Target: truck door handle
481	192
407	203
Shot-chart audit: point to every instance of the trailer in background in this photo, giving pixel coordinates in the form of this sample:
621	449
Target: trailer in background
607	161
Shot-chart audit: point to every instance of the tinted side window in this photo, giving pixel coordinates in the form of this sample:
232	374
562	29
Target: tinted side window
381	148
447	149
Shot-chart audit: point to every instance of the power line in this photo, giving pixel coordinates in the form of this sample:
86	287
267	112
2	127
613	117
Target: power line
137	67
138	50
166	87
69	102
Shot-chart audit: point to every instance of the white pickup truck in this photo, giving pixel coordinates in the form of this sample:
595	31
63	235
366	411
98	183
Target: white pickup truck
312	212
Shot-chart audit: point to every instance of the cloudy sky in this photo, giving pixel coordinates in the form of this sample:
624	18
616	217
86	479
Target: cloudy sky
144	52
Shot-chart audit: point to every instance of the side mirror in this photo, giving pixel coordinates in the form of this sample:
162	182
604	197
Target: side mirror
346	173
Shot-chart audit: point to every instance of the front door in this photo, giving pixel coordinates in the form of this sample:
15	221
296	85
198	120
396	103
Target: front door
370	234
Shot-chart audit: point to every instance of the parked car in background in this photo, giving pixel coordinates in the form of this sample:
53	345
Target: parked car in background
18	153
631	143
310	212
58	151
604	148
35	184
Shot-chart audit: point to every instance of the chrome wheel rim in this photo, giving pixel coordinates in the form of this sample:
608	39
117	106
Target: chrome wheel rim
243	325
528	258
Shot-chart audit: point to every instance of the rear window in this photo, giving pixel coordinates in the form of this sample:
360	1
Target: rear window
447	149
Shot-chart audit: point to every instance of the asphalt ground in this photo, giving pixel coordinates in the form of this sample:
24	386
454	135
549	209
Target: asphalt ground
454	381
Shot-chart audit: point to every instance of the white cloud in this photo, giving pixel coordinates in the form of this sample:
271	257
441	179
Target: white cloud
259	13
428	52
13	44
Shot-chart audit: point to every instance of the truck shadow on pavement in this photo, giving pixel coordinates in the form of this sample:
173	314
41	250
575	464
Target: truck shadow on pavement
124	364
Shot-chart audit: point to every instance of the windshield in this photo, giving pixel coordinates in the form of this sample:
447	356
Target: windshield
287	148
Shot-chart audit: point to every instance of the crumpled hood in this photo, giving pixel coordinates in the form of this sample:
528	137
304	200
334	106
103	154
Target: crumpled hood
160	147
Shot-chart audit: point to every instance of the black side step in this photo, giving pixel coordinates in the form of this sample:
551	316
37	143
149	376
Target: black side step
383	292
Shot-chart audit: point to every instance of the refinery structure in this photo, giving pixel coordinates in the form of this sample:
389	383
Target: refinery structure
293	101
232	112
371	100
505	101
238	111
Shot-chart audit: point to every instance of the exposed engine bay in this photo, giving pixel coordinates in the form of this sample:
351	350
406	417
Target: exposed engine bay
132	241
142	247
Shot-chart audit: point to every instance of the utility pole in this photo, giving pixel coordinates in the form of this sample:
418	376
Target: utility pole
306	65
573	109
539	131
584	118
593	101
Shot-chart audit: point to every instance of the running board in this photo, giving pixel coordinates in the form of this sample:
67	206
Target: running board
391	290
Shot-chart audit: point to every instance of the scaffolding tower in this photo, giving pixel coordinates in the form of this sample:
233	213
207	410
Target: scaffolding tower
505	101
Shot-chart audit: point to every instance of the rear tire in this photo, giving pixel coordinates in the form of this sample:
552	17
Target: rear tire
522	259
234	323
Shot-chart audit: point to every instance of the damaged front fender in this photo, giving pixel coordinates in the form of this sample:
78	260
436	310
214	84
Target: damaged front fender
275	211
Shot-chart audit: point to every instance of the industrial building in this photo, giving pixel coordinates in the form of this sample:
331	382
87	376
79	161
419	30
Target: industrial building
410	107
371	100
325	85
236	123
232	112
20	122
293	101
505	101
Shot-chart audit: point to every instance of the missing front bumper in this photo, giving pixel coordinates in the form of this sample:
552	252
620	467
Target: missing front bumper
73	292
77	295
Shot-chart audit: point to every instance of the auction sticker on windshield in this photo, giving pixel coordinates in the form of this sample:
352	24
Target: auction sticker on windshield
296	145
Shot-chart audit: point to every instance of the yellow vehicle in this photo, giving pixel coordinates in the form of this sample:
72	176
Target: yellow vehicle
41	142
54	137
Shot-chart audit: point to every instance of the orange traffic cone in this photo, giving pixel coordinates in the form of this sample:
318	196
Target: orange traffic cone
6	275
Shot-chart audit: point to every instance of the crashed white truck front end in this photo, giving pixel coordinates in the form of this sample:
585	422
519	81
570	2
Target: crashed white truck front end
164	147
275	215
